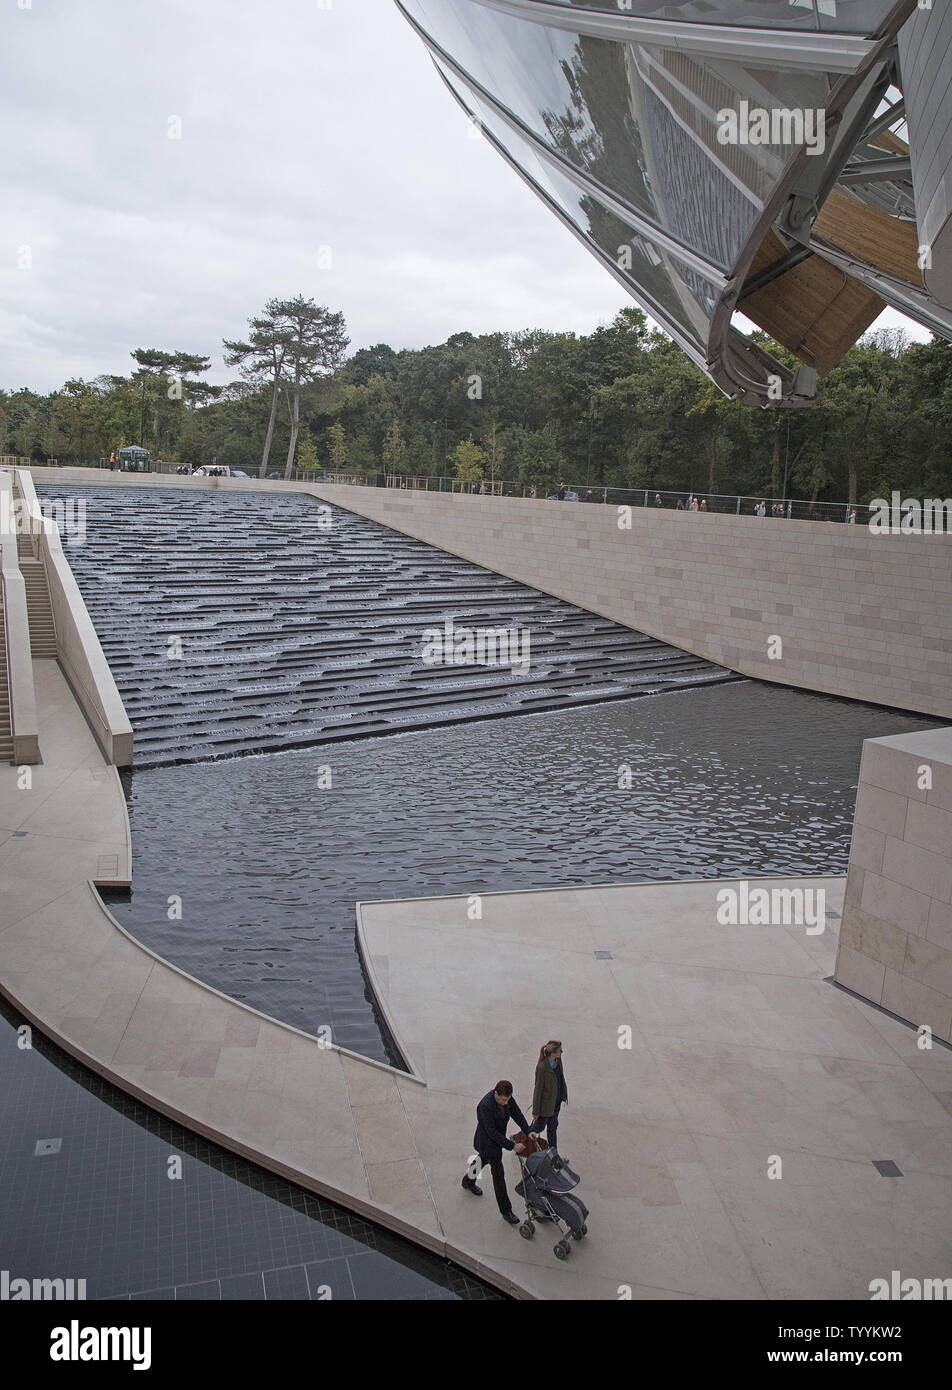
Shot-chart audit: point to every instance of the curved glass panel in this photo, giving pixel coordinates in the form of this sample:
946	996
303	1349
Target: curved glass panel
641	121
827	16
667	155
668	289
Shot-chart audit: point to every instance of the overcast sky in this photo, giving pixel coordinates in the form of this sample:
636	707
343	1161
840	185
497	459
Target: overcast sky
304	130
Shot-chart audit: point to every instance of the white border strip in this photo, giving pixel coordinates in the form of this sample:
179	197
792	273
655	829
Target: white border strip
783	48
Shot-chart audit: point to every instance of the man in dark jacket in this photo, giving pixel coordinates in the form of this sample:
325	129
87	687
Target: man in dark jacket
493	1114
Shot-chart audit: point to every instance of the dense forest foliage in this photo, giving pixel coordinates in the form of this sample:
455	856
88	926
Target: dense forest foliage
619	407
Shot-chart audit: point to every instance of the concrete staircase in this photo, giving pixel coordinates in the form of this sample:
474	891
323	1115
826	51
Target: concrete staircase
6	733
39	608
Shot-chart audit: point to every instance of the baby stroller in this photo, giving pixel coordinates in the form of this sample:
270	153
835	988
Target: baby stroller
546	1186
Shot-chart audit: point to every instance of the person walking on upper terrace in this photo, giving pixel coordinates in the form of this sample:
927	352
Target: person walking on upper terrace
549	1093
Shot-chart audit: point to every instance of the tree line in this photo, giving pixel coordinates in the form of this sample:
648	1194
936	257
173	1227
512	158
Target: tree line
619	407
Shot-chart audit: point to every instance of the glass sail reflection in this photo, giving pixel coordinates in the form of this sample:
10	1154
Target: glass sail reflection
719	157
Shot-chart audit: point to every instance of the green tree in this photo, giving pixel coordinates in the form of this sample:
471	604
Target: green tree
468	459
316	340
541	461
394	450
494	447
163	378
262	359
714	405
337	445
307	459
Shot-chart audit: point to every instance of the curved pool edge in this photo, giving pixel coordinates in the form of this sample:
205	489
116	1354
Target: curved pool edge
251	1083
469	1000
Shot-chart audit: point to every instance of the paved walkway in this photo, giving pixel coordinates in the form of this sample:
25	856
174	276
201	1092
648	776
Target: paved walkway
739	1051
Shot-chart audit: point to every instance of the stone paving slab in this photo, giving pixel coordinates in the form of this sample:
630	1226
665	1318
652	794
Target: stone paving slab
739	1050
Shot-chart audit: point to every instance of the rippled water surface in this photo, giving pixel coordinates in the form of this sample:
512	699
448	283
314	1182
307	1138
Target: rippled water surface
732	779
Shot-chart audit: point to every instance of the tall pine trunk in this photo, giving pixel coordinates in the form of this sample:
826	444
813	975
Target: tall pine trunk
267	442
295	422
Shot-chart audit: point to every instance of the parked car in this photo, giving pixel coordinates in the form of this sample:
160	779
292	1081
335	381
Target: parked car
237	473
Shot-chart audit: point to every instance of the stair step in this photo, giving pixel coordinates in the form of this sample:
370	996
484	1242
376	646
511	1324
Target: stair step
42	626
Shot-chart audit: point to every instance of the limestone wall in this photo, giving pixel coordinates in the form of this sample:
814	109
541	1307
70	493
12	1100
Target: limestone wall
17	656
868	617
895	943
77	645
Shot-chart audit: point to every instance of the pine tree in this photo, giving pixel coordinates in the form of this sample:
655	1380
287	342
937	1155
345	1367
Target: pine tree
316	340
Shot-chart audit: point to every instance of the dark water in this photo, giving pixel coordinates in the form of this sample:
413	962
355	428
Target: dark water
298	631
734	779
103	1209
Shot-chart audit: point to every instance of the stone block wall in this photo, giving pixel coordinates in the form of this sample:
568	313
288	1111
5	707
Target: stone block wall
859	615
895	944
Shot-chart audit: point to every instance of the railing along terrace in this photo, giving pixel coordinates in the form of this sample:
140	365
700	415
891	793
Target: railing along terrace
801	509
685	500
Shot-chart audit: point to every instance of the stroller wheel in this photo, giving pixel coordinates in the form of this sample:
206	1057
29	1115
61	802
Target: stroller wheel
577	1235
584	1229
527	1230
561	1250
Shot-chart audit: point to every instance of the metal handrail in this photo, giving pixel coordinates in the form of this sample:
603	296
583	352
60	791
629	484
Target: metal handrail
4	609
738	504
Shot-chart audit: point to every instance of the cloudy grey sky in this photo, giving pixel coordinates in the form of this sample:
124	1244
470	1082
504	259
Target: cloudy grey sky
308	133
